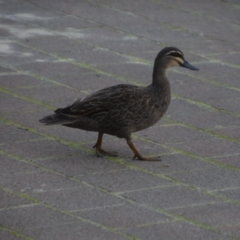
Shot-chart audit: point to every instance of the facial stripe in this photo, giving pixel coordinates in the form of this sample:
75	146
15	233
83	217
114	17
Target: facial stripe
175	54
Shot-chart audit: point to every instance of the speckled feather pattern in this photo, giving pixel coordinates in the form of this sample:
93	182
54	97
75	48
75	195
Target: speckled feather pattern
120	110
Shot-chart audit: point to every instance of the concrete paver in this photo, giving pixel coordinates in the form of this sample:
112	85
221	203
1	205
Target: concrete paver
52	186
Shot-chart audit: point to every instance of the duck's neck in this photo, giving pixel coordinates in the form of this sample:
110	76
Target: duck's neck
159	76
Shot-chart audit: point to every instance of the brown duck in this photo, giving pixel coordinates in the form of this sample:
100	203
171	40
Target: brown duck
123	109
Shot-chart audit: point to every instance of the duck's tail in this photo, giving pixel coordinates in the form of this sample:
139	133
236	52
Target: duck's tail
57	119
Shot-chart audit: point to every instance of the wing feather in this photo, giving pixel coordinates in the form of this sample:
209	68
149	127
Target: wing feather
98	104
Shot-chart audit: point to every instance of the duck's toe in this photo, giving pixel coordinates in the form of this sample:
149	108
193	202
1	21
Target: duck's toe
101	153
147	158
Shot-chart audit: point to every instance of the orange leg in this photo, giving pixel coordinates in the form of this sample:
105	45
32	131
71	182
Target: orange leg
99	151
138	155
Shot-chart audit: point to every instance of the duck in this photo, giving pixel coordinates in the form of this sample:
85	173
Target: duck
123	109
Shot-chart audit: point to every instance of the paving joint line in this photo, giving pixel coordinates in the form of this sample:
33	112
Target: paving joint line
195	205
22	141
183	152
128	33
19	206
134	202
204	130
197	13
66	212
141	60
151	224
15	233
203	79
116	195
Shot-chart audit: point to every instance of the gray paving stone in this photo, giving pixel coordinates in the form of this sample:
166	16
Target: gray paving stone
73	231
131	24
34	217
36	182
183	111
133	72
21	81
233	194
205	45
14	8
231	57
59	22
58	44
212	214
53	95
125	180
57	70
14	54
10	134
173	231
219	11
123	216
39	150
23	115
170	197
174	163
210	147
175	134
69	134
111	39
5	70
13	166
11	200
232	161
211	179
220	73
216	96
77	50
78	166
231	230
71	198
7	235
228	104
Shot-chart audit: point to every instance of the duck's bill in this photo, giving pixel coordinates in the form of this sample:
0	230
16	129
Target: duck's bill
188	65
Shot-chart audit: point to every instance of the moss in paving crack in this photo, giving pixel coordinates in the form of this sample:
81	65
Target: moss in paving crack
15	233
123	198
30	162
50	137
24	141
198	103
215	134
65	212
153	223
224	85
31	100
190	154
220	196
206	159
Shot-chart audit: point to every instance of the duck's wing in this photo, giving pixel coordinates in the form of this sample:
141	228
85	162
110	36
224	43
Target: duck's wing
98	104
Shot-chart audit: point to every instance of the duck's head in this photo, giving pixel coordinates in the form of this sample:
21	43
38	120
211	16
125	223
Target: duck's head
172	56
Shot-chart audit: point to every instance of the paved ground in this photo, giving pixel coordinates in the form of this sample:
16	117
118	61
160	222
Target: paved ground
52	186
